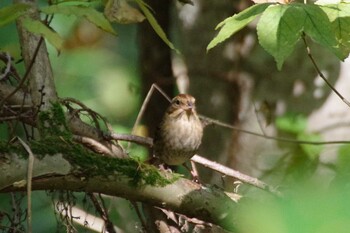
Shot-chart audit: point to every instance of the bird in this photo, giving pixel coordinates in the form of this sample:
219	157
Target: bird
180	132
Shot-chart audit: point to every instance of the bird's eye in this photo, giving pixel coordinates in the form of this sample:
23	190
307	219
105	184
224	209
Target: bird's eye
177	102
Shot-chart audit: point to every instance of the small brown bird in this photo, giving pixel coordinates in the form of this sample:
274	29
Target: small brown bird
180	133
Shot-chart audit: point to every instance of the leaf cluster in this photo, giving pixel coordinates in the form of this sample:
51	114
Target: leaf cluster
281	26
79	9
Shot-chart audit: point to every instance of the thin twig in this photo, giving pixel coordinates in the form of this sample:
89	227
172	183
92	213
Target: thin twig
8	66
100	208
235	174
145	141
29	184
139	215
321	74
94	115
93	144
205	162
279	139
26	75
145	103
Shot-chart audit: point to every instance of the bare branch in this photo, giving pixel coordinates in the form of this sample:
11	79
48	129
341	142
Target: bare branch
145	141
235	174
93	144
203	161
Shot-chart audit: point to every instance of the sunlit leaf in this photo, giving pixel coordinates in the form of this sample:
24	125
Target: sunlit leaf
279	29
235	23
36	26
320	29
312	151
12	12
89	13
153	22
339	16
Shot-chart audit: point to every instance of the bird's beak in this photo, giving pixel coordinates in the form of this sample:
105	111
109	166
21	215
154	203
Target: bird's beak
189	109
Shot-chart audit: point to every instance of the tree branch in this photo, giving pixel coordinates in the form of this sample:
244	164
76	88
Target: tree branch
183	196
41	80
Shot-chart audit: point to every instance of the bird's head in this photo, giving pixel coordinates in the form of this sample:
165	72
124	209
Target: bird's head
182	104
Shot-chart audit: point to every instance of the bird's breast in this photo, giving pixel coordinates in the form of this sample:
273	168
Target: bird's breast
185	132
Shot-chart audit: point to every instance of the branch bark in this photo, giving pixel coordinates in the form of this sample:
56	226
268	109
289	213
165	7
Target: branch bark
41	80
183	196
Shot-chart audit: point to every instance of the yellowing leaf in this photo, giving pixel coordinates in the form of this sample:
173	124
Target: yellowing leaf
89	13
121	12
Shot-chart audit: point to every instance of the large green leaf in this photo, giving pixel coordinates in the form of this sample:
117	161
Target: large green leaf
156	27
320	29
339	16
279	29
38	27
236	22
12	12
89	13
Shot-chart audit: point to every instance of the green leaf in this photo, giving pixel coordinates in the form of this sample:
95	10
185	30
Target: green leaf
339	16
156	27
312	151
12	12
236	22
291	123
279	29
38	27
320	29
89	13
343	160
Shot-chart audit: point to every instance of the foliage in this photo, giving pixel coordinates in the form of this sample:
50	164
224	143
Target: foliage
12	12
282	25
80	9
279	29
154	24
296	126
306	209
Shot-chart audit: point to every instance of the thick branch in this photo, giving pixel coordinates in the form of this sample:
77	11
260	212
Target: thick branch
41	81
183	196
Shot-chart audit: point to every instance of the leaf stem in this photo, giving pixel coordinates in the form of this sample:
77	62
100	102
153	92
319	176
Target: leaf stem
321	74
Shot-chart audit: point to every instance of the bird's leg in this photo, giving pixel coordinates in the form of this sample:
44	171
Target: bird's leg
193	171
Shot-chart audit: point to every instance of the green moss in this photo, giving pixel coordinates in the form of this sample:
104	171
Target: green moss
88	163
56	138
53	122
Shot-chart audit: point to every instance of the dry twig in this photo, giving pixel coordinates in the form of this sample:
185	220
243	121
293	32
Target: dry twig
29	184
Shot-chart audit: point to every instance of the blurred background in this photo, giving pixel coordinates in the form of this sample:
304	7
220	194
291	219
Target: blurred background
237	83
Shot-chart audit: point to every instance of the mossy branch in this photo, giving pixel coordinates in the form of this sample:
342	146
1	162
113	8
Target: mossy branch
78	170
